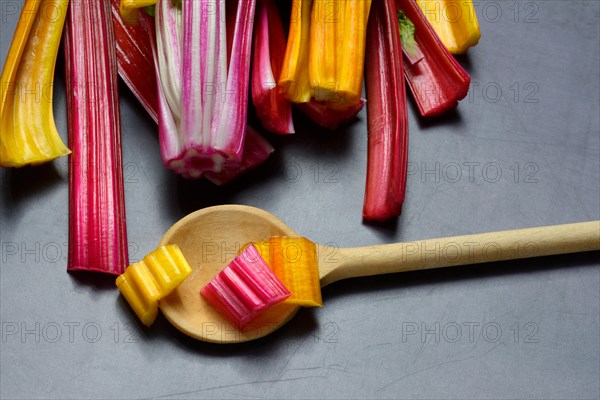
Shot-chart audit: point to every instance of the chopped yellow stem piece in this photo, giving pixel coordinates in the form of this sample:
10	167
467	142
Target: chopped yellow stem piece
294	261
294	78
28	134
139	289
454	21
168	267
145	282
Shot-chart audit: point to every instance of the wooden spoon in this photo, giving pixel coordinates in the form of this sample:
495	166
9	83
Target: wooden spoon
211	237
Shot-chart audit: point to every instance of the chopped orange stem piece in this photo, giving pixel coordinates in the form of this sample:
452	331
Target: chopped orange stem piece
294	261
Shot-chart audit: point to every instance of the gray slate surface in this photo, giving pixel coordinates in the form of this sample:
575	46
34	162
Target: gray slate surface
528	329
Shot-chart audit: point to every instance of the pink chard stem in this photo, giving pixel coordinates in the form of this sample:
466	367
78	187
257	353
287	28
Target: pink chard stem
203	93
437	80
272	108
134	60
386	116
97	231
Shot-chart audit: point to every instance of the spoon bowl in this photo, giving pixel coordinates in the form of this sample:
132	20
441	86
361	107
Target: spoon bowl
210	238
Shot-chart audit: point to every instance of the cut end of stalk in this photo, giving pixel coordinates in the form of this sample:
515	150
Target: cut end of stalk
455	22
35	154
244	289
295	93
256	151
193	163
330	117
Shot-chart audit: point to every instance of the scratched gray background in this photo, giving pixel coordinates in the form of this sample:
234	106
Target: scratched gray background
528	329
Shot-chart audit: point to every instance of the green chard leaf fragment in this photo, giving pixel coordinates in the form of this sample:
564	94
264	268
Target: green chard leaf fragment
150	10
407	36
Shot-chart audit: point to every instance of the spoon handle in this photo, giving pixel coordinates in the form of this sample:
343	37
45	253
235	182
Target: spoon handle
460	250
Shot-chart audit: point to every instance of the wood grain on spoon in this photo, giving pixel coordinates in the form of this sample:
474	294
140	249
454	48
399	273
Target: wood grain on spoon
210	239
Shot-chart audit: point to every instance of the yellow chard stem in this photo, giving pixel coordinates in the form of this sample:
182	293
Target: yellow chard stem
340	19
294	72
28	135
16	49
131	4
352	60
454	21
129	9
322	63
324	58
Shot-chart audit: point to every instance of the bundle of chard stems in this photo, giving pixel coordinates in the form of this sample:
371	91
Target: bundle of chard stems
195	65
